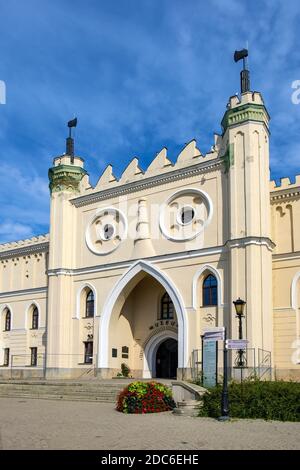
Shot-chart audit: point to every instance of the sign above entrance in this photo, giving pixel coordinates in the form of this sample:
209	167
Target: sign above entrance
166	323
214	333
236	343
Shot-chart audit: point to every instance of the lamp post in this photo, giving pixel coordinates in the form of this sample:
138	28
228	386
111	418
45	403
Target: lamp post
239	305
224	398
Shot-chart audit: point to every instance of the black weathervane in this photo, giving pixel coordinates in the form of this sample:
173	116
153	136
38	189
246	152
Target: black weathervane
245	74
70	140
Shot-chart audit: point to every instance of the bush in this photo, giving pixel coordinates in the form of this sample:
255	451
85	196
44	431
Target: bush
125	370
257	400
145	397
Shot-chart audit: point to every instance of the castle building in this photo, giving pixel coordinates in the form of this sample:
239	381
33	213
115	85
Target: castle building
136	268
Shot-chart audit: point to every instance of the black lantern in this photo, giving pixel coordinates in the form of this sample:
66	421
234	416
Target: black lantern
239	305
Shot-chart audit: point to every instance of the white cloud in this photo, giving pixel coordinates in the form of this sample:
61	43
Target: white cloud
11	231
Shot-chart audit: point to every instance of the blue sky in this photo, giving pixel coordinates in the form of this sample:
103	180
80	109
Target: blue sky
139	75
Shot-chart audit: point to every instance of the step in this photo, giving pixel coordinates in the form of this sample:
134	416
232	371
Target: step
58	397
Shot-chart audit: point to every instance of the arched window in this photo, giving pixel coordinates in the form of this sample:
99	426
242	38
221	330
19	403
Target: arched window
210	291
7	326
166	308
35	319
89	304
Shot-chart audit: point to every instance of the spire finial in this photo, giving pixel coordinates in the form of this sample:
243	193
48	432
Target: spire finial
70	140
245	74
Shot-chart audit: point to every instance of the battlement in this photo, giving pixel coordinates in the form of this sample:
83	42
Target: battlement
251	97
189	155
285	183
24	243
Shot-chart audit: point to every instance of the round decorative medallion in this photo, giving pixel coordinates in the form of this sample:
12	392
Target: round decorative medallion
185	214
106	230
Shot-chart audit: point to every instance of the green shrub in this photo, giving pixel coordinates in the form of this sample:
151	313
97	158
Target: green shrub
125	370
257	400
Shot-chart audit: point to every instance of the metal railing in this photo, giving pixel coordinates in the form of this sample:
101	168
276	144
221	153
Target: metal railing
264	369
38	366
257	363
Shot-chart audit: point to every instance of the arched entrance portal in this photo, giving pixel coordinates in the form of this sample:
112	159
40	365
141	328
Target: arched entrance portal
167	359
137	317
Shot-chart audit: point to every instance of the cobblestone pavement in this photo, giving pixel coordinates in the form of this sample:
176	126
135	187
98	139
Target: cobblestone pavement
47	424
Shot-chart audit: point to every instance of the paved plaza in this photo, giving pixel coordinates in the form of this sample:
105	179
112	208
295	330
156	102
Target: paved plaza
51	424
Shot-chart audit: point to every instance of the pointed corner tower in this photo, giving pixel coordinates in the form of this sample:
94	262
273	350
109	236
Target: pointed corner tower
246	176
65	181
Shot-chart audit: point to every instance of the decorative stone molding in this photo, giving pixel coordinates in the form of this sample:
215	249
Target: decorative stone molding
242	242
294	291
159	162
23	243
65	178
195	287
106	230
165	281
294	255
182	255
106	178
131	171
85	285
150	182
285	183
14	293
150	348
196	201
244	113
189	152
38	244
285	195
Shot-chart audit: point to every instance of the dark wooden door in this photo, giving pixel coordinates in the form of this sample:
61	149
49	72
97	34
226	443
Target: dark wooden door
167	359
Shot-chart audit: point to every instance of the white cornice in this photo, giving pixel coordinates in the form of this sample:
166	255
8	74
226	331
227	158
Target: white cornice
286	256
149	182
25	250
286	194
13	293
261	241
127	264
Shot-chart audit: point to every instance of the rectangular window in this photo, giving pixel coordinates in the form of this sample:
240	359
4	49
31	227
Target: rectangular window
88	352
125	352
166	308
114	352
33	358
6	357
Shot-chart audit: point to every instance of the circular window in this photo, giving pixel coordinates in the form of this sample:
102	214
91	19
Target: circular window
108	231
187	214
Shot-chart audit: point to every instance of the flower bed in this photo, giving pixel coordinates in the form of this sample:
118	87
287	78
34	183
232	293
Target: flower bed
145	397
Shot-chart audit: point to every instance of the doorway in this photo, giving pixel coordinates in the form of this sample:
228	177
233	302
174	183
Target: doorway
167	359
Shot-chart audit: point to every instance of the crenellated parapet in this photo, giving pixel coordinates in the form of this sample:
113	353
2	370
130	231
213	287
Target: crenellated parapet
245	108
160	167
285	190
28	245
67	174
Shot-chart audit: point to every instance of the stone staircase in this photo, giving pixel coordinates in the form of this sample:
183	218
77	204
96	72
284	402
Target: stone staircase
104	391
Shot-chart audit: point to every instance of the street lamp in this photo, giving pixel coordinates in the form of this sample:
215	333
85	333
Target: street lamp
239	305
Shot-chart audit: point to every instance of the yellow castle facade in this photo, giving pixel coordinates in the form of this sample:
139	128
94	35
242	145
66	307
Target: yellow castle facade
135	269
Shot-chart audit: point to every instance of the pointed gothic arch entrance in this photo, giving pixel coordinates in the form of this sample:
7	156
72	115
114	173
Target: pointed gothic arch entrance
119	308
